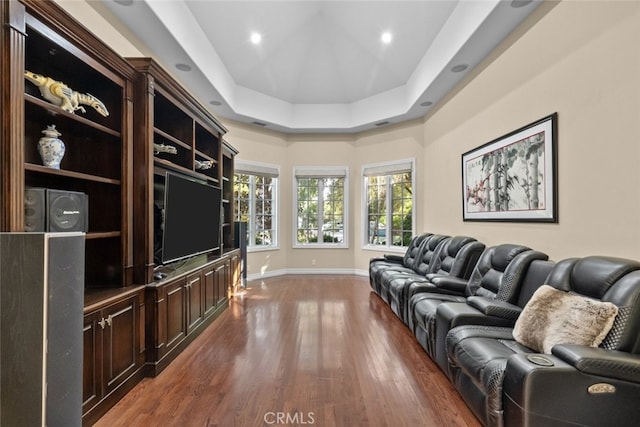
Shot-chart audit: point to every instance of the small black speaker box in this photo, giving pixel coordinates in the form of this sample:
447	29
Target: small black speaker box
55	210
66	211
34	209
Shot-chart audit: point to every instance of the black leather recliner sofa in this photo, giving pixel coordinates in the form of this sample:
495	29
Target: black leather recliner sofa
426	262
519	377
456	257
477	310
406	261
498	275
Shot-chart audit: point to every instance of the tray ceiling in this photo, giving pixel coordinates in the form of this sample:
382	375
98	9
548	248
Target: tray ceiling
320	66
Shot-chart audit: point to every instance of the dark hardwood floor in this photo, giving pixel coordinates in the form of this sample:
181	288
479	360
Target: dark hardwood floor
299	350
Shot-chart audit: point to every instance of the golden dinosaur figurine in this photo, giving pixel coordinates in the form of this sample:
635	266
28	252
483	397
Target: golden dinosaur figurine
63	96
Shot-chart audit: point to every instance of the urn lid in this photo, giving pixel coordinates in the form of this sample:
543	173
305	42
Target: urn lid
51	131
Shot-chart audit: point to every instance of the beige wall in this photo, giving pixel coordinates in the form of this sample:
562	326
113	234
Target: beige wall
579	59
289	151
588	71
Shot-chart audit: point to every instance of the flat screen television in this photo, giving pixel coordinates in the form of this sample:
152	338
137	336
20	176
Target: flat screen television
191	223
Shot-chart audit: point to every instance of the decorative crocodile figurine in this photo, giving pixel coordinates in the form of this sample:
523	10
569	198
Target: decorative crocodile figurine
63	96
162	148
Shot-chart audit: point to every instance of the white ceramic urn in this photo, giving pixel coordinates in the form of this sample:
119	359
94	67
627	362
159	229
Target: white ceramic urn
51	148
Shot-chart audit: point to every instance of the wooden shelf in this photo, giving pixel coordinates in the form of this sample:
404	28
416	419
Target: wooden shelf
206	157
102	235
171	139
54	110
70	174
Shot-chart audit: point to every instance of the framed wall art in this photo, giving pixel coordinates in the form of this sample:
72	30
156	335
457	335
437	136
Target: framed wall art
513	177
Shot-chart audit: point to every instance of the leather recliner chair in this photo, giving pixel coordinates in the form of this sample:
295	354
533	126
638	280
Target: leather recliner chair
379	264
425	263
507	383
492	273
498	275
456	257
478	310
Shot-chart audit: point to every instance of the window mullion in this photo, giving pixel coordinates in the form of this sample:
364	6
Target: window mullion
320	218
389	213
252	209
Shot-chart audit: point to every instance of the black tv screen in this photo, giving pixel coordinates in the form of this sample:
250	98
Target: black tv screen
191	218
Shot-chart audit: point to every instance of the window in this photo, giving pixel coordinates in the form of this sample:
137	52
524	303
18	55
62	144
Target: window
388	195
321	200
255	197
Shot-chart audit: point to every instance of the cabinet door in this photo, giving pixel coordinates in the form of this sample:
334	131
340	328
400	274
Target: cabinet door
175	304
195	306
92	361
120	342
221	282
209	290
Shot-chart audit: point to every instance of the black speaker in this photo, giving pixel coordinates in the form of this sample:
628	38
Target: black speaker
241	240
41	329
52	210
34	209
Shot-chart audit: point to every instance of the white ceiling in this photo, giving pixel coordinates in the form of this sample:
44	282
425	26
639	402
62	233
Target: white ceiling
321	65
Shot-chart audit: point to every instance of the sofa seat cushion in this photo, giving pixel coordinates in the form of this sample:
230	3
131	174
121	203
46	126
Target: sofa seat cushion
479	354
427	302
555	317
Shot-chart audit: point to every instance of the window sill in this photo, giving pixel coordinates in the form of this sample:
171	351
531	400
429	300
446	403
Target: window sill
321	246
388	249
262	248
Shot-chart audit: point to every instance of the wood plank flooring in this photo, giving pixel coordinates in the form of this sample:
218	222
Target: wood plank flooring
299	350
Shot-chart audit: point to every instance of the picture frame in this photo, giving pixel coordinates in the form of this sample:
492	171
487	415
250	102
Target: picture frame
514	177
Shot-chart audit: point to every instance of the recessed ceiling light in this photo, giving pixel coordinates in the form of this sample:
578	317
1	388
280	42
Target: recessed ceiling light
257	123
386	122
256	38
386	37
183	67
519	3
458	68
124	2
216	103
426	103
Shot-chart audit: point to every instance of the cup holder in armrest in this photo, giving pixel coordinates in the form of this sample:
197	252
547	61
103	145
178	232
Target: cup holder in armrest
539	360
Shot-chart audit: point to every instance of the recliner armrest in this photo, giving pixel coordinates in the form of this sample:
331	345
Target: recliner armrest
454	284
394	258
599	361
495	308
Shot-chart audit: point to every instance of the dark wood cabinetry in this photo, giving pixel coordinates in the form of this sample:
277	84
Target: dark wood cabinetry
193	292
181	306
131	320
114	351
166	115
39	37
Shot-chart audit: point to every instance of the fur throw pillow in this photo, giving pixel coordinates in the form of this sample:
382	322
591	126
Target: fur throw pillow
555	317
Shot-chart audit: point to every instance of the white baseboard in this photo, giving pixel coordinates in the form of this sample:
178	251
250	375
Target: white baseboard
284	272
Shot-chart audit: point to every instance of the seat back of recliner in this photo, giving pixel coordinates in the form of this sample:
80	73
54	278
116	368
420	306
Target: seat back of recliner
535	277
500	271
427	258
458	256
609	279
414	248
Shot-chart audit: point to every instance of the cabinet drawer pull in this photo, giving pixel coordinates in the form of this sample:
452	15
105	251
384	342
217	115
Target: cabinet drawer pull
102	323
109	320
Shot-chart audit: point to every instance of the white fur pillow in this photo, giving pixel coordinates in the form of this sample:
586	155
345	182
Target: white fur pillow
556	317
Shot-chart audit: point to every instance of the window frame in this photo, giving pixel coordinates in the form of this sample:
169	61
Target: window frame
255	169
386	169
321	172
